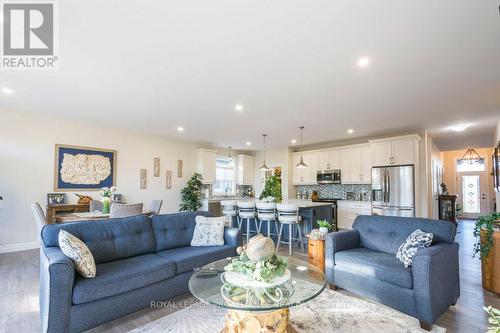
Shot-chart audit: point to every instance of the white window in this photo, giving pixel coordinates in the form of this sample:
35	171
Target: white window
224	176
470	167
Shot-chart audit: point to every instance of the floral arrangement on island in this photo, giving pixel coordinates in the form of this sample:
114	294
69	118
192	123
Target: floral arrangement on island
106	194
258	260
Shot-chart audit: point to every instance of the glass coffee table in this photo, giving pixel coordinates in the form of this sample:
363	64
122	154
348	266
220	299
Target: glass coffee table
262	308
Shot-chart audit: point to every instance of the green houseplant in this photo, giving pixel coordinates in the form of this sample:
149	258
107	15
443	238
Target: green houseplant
487	224
272	188
191	194
494	319
324	226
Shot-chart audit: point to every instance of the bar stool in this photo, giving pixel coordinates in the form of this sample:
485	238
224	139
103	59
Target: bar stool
267	212
289	214
230	210
246	211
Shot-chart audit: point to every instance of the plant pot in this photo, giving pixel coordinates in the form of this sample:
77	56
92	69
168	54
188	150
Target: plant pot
490	266
323	230
105	205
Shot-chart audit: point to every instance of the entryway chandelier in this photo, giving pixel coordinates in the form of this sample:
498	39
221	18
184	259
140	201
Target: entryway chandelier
470	157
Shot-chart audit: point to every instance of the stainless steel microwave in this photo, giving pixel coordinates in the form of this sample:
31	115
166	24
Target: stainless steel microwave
329	177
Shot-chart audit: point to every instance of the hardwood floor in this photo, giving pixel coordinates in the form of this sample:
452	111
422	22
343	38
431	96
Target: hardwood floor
19	295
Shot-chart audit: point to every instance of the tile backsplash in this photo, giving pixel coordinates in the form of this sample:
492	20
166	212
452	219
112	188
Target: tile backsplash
336	191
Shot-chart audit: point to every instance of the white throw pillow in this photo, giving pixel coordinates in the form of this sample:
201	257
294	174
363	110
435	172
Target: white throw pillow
209	231
78	252
416	241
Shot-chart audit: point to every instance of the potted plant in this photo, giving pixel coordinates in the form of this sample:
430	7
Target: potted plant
272	188
324	226
191	194
487	231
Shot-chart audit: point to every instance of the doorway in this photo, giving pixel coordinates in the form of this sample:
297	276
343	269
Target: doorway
473	195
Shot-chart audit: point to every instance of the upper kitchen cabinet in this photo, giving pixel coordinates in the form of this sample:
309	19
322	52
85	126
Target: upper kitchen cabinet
245	172
305	176
356	164
329	159
206	165
395	151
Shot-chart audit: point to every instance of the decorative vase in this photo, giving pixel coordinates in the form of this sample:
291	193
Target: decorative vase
323	230
105	205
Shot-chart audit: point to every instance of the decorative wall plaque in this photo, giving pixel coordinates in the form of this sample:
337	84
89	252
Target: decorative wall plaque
168	179
157	167
179	168
144	179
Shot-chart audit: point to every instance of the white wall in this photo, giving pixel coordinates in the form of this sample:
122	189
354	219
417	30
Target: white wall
27	167
433	154
497	137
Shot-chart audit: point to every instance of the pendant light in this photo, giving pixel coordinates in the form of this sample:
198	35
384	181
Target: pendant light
229	157
470	157
301	164
264	167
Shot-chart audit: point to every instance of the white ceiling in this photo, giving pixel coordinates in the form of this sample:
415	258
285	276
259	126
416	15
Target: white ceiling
155	65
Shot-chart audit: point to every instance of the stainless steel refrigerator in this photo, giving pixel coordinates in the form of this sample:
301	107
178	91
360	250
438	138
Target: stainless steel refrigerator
393	191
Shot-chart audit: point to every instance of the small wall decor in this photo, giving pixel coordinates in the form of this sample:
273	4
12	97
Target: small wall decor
144	179
83	168
56	198
179	168
168	179
157	167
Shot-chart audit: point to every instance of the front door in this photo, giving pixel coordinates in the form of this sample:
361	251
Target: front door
473	194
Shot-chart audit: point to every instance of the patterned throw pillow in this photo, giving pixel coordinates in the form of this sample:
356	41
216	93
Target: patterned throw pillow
416	241
209	231
78	252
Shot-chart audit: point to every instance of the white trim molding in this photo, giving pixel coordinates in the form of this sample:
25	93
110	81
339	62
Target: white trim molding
15	247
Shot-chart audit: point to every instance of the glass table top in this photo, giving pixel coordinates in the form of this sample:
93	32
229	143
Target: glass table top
300	284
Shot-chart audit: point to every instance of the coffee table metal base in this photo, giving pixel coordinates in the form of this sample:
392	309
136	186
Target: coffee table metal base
258	322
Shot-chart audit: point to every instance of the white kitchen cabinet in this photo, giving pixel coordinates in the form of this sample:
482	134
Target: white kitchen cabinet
245	172
395	151
305	176
356	163
206	165
328	159
403	151
347	211
366	164
382	153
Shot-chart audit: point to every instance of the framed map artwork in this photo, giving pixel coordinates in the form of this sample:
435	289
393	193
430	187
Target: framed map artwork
83	168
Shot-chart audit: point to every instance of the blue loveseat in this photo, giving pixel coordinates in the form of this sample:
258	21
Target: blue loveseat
363	261
138	259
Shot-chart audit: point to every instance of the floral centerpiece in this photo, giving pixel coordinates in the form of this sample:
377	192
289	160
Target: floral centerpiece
258	276
106	194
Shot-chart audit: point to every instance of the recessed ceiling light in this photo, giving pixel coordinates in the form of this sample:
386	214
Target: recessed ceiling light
459	127
180	129
248	143
350	131
364	62
293	141
238	107
7	91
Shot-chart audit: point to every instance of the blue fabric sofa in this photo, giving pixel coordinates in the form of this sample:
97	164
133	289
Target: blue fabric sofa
363	261
138	259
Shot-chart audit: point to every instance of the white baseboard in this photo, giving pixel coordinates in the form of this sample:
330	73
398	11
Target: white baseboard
15	247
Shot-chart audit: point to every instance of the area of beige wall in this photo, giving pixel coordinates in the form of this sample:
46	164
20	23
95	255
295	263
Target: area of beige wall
451	177
27	167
